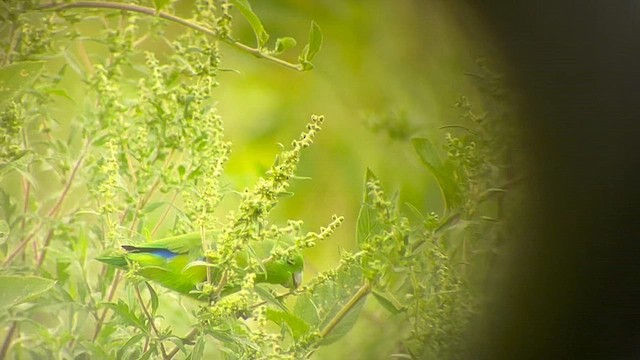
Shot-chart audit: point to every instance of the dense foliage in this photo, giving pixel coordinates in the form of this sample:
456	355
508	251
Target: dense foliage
138	152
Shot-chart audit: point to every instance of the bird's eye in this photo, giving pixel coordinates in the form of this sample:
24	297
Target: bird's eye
290	261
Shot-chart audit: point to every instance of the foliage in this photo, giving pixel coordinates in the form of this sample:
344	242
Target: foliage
143	155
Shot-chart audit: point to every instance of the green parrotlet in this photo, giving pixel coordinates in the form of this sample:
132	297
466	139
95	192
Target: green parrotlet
177	264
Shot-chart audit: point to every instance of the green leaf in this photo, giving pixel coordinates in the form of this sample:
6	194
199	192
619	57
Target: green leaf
127	315
333	301
16	289
4	229
16	77
198	349
267	296
284	44
245	9
132	341
313	46
154	298
366	224
296	325
387	302
444	172
160	4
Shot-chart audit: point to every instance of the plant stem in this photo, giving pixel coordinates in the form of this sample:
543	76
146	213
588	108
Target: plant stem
7	340
189	336
112	291
164	214
364	290
153	12
150	318
54	210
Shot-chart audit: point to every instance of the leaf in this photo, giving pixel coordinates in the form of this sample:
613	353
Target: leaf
132	341
333	301
127	316
17	76
245	9
313	46
366	224
267	296
17	289
296	325
160	4
444	172
387	302
284	44
152	206
198	350
154	298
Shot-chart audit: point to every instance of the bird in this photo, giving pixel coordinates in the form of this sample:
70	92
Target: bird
177	263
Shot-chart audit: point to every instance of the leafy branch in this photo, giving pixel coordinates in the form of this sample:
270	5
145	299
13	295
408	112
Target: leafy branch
308	54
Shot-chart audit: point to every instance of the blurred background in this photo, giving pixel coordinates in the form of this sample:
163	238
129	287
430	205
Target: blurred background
402	62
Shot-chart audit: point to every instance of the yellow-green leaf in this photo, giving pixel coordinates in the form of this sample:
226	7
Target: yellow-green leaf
16	77
18	289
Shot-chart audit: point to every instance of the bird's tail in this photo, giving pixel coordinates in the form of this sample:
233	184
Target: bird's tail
118	261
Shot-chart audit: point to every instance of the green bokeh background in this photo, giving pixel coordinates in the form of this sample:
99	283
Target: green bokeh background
403	60
400	59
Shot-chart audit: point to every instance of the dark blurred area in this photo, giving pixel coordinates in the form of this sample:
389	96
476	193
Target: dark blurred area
570	285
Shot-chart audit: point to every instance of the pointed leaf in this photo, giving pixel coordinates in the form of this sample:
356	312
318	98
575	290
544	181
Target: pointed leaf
444	172
387	302
245	9
284	44
331	306
154	298
267	296
366	225
296	325
16	77
17	289
312	47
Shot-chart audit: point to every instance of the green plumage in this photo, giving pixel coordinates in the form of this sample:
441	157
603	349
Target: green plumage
177	264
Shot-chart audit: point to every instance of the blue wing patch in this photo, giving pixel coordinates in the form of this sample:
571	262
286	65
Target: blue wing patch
164	253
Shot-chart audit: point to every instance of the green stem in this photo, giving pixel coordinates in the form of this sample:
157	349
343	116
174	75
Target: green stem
54	210
112	292
153	12
364	290
188	337
7	340
150	318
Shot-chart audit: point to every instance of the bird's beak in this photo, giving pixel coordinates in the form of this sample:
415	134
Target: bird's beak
297	279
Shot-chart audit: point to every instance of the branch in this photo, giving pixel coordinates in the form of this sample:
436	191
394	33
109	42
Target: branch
364	290
153	325
153	12
188	337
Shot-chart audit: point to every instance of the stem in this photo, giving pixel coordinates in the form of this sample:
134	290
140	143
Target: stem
45	246
11	45
56	208
364	290
54	211
7	340
164	214
175	350
112	291
153	12
153	325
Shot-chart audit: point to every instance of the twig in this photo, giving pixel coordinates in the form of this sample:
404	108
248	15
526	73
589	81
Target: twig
112	291
153	325
7	340
189	336
54	211
364	290
164	214
153	12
